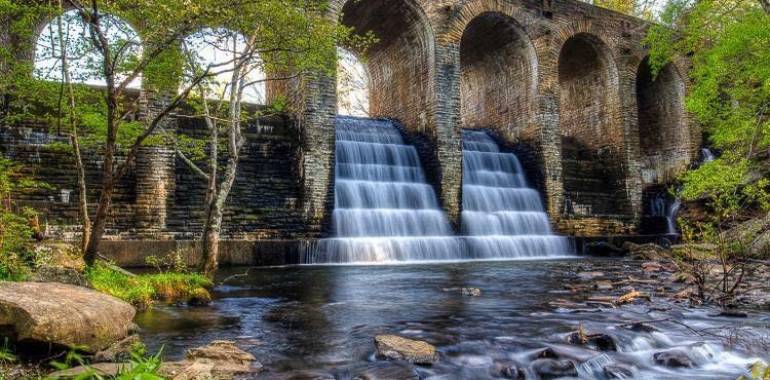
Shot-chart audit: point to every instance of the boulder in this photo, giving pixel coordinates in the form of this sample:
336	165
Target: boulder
618	371
118	352
553	368
225	358
599	342
673	359
510	371
398	348
220	360
63	275
64	315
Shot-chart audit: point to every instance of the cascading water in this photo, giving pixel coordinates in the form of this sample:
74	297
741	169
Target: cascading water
384	210
502	216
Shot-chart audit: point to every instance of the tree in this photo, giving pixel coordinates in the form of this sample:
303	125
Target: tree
226	115
646	9
728	43
291	35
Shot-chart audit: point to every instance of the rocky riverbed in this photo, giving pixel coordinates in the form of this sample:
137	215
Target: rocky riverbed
582	318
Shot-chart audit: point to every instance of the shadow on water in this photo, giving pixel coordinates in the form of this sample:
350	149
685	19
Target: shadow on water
325	318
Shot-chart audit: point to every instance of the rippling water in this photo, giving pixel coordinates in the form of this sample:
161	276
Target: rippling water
325	317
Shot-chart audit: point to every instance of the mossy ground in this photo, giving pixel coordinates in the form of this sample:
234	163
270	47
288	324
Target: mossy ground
144	289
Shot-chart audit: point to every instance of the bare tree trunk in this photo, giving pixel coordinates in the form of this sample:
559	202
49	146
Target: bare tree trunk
82	193
74	140
234	144
108	169
213	230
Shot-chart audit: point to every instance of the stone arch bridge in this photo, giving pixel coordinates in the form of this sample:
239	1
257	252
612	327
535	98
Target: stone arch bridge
564	84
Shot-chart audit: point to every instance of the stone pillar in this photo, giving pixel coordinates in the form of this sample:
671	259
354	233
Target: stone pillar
446	130
629	121
155	185
548	119
316	100
155	169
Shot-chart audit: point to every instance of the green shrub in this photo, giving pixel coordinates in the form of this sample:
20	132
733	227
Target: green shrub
144	289
16	245
140	367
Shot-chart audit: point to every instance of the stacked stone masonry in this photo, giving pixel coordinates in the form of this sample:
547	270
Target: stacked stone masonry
564	84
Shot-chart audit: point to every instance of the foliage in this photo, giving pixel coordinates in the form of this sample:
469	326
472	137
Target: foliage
174	262
16	226
6	355
729	42
293	38
140	367
758	371
144	289
646	9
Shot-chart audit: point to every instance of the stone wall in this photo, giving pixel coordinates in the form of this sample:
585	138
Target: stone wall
562	82
161	198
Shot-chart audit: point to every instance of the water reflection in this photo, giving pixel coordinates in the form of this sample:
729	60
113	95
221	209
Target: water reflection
324	318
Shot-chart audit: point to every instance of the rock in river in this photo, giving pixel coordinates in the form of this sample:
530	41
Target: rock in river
554	368
64	315
398	348
218	360
673	359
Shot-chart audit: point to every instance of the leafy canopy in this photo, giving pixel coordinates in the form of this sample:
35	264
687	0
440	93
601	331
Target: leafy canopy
729	42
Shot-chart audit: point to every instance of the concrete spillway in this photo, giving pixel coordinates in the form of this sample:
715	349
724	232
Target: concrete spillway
386	212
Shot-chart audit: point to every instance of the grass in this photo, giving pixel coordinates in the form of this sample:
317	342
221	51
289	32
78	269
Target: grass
145	289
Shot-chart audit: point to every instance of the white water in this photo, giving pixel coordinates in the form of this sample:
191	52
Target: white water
673	210
386	212
502	216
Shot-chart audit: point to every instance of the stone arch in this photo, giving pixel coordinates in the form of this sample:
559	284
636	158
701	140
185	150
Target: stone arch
591	129
47	65
664	137
400	63
498	75
353	84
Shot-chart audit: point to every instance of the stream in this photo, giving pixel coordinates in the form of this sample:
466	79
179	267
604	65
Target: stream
306	322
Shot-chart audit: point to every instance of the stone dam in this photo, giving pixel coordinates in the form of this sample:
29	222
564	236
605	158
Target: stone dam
564	86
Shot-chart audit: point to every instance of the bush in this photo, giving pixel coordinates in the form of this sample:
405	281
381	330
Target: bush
16	232
142	290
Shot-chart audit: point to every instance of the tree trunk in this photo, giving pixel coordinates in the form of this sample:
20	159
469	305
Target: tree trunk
108	169
85	220
82	188
212	232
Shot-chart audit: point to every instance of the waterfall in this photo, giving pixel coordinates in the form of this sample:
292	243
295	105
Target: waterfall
673	210
707	155
384	210
502	217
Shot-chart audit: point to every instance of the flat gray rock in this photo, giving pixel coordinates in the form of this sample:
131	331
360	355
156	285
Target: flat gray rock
61	314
